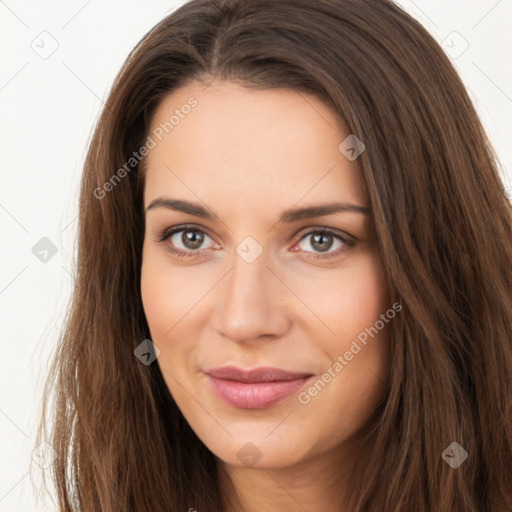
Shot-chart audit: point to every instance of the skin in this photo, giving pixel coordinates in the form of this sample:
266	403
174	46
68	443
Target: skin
247	156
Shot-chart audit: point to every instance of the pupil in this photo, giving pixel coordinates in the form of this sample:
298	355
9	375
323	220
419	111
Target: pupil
319	239
192	239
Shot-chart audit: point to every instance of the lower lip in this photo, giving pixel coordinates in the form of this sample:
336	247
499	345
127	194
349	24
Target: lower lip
255	395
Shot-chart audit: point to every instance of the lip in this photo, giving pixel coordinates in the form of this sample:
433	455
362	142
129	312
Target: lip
257	388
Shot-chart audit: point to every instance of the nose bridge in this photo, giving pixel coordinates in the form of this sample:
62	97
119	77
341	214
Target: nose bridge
248	276
246	294
247	306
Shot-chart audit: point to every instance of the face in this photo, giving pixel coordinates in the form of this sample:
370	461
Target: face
271	317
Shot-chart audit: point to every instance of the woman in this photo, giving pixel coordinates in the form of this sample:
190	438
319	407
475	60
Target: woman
293	282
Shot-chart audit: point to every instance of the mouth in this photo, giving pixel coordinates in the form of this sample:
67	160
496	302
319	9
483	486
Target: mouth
257	388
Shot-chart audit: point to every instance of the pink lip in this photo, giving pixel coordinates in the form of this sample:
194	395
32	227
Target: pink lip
254	389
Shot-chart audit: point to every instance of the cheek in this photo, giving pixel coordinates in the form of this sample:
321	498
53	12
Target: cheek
356	357
365	297
168	294
350	302
156	295
165	302
172	297
164	305
365	331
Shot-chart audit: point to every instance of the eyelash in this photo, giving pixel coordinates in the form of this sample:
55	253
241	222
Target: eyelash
348	243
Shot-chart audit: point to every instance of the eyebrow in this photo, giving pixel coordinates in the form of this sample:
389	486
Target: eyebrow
288	216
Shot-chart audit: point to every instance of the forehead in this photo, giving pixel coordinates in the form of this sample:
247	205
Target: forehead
240	148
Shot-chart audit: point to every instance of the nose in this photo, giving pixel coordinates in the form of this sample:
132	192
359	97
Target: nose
250	303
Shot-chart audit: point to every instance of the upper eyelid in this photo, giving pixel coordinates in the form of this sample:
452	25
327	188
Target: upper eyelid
187	227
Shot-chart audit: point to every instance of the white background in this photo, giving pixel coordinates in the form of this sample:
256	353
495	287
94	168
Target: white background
48	108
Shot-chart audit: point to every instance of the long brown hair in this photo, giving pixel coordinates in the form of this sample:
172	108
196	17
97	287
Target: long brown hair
444	231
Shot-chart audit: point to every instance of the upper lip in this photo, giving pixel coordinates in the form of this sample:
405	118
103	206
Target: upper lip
262	374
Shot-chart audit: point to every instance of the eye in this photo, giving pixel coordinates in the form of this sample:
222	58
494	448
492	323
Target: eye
184	240
323	240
